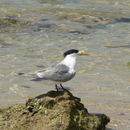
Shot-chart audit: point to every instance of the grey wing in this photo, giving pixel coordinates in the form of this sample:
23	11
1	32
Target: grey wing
61	69
61	73
58	73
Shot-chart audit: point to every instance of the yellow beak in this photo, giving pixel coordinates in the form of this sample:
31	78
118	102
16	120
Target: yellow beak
84	53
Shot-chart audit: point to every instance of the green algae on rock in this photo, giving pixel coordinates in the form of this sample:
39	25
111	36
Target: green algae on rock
13	21
51	111
13	24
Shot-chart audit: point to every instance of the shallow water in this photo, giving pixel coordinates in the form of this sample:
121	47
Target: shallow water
101	27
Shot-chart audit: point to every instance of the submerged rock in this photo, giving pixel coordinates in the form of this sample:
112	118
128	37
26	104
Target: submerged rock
51	111
13	21
13	24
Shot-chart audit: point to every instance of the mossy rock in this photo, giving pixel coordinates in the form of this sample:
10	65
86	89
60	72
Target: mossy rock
13	21
51	111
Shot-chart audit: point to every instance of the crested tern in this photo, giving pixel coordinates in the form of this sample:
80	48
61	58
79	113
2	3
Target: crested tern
61	72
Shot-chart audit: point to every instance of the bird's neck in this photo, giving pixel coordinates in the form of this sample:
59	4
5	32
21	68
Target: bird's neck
70	61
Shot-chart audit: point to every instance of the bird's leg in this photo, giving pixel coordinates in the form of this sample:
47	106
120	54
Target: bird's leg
56	87
62	87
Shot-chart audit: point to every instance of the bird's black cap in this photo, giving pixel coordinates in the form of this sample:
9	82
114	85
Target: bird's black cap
70	52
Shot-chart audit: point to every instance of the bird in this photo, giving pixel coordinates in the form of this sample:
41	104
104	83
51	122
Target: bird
59	73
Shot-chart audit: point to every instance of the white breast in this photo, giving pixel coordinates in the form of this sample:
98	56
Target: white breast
70	61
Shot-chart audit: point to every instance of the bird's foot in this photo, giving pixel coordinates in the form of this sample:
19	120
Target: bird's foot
60	89
56	87
63	87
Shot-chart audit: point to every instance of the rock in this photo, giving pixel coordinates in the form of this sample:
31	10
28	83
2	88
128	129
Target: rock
51	111
13	21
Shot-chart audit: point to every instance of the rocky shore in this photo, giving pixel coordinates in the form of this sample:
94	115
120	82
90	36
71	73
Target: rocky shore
51	111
